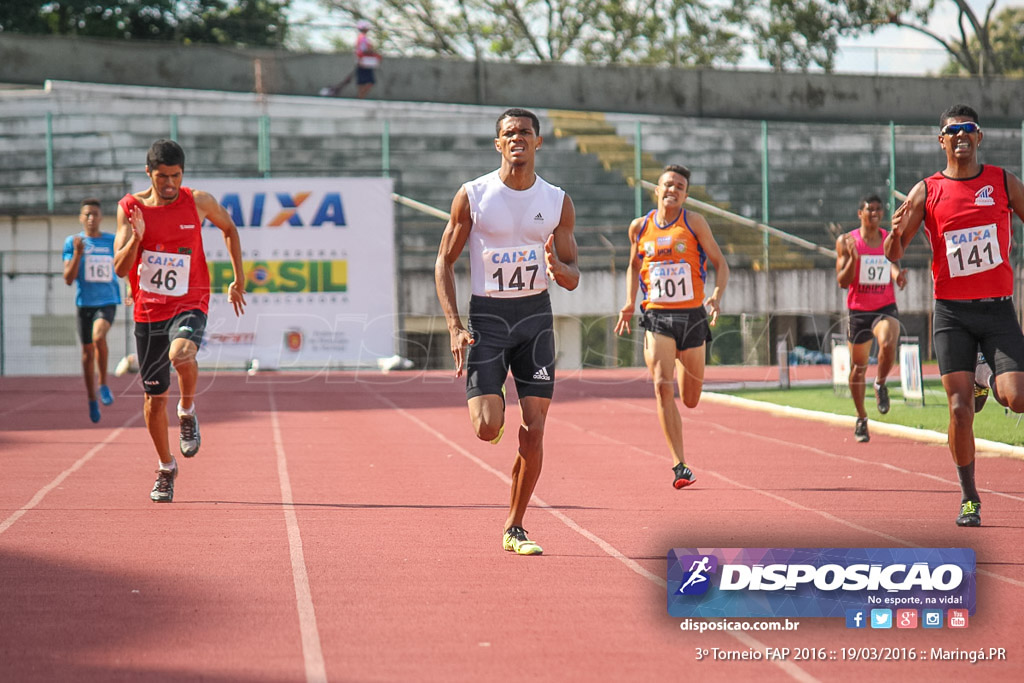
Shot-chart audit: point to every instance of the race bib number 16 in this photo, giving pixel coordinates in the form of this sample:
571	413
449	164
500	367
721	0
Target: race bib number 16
165	274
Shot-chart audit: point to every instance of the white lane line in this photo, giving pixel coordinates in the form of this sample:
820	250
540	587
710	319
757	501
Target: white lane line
41	493
312	653
791	669
25	406
818	451
787	501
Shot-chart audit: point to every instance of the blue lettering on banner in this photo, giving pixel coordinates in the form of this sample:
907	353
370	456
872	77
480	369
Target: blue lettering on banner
973	236
515	257
166	260
816	582
331	210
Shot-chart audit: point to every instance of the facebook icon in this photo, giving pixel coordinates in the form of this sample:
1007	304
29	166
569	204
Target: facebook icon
856	618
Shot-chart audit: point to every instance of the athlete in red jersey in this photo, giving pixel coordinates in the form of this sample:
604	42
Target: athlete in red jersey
966	211
868	277
159	245
668	253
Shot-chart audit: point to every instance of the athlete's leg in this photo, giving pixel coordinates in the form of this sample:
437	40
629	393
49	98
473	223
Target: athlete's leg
690	374
155	412
660	355
183	356
89	369
530	458
887	332
960	393
100	327
859	357
1009	390
487	413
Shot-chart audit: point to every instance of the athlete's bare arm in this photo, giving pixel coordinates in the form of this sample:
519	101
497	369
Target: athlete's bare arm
71	265
632	279
127	240
209	207
702	230
453	241
560	251
846	260
1015	189
905	223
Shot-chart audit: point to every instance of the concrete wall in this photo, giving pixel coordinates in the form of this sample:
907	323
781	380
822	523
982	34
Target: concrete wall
678	92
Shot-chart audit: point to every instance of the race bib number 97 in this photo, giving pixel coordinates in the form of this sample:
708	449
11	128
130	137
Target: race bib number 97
972	250
670	282
99	268
164	274
874	270
515	271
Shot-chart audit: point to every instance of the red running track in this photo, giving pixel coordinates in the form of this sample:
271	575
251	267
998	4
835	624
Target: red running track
347	527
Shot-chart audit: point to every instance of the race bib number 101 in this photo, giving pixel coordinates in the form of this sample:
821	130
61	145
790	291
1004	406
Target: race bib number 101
165	274
670	282
515	271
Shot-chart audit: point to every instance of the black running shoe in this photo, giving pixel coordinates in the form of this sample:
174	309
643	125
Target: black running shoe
882	398
970	513
188	438
684	477
163	489
860	432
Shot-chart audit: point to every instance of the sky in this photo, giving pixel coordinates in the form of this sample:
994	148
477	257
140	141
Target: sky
890	50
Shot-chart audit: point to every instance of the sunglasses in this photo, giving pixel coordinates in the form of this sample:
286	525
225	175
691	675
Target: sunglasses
957	128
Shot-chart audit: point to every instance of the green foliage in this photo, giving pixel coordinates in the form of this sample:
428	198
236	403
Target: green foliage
226	22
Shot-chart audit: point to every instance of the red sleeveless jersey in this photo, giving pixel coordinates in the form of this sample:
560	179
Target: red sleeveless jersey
169	275
968	225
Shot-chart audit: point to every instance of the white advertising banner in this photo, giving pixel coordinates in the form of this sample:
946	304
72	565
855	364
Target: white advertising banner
319	257
911	374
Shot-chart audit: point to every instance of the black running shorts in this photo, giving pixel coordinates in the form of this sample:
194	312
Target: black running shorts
87	316
153	343
687	326
511	334
960	328
862	323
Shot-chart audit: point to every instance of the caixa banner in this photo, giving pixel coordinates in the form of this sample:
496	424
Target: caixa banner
816	582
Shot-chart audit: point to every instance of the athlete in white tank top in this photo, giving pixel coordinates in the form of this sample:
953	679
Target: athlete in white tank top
510	227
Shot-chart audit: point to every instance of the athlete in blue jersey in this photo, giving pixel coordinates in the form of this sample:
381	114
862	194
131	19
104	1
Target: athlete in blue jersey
89	262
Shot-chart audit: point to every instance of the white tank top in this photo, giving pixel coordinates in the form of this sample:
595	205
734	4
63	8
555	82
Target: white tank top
510	227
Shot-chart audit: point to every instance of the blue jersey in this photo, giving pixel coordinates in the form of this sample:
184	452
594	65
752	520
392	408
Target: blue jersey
97	283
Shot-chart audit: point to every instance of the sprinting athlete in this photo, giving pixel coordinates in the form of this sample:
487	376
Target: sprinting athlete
519	230
89	263
160	248
967	210
668	253
868	277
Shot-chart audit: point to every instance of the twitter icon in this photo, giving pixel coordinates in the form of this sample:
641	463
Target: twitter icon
881	618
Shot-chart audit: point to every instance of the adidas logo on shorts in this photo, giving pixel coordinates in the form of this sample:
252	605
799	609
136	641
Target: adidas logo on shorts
542	374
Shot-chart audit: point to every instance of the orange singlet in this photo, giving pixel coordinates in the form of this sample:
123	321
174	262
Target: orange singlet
672	271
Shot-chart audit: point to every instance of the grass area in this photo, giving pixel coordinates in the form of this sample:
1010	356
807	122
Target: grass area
993	423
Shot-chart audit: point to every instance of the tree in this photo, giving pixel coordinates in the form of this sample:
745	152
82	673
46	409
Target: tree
1006	48
232	22
674	32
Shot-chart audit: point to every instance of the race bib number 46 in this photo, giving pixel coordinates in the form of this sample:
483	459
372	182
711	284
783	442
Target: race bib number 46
972	250
165	274
874	270
515	271
99	268
670	282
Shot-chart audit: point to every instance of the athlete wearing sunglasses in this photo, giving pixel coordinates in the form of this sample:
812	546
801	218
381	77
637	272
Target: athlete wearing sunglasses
967	213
